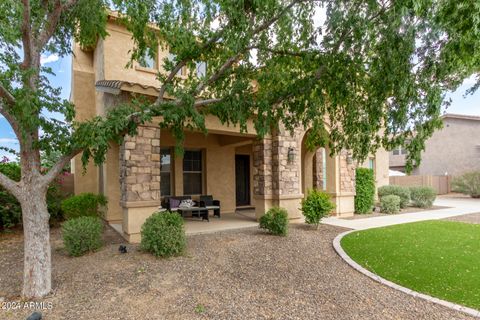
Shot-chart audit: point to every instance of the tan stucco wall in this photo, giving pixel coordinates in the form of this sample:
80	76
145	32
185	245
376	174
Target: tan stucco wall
454	149
83	96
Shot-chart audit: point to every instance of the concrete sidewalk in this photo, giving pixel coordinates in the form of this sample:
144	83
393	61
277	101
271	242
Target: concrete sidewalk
457	206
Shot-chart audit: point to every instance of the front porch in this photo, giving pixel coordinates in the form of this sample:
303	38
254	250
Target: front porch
229	221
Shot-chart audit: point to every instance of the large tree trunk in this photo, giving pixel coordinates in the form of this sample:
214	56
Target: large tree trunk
37	263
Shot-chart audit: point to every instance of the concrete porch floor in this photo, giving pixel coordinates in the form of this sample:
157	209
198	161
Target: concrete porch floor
228	221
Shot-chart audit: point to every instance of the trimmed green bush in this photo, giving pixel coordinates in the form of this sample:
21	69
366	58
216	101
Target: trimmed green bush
163	234
275	221
365	190
316	206
82	235
83	205
467	183
402	192
390	204
423	197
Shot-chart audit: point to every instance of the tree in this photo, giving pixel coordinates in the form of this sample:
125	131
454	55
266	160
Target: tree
375	72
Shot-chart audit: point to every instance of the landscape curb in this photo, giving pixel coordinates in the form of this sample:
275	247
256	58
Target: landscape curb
338	248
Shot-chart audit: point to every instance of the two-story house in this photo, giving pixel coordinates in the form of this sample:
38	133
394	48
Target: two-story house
236	168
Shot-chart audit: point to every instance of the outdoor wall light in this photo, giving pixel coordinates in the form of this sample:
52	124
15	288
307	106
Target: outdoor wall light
349	158
291	155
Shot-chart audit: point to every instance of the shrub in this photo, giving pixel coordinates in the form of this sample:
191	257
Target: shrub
402	192
365	190
316	206
163	234
423	197
468	183
10	210
390	203
81	235
84	204
275	221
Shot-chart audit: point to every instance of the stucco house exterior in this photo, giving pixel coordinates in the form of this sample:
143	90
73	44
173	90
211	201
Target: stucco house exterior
452	150
236	168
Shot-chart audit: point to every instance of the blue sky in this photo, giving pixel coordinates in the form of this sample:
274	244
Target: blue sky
469	105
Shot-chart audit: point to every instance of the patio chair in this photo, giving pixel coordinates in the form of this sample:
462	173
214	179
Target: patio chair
207	201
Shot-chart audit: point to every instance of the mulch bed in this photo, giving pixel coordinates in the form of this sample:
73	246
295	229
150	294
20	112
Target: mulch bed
243	274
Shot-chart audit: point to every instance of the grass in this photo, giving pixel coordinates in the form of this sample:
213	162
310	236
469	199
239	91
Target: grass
438	258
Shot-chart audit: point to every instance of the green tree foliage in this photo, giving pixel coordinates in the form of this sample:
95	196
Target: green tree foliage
364	190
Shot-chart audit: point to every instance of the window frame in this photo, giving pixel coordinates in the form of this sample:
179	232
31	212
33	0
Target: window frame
201	172
171	172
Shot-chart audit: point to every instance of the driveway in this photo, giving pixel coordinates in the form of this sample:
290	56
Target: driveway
244	274
458	206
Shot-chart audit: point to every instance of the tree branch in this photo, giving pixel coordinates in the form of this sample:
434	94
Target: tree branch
182	63
214	77
10	185
201	103
11	120
4	93
58	167
52	21
27	35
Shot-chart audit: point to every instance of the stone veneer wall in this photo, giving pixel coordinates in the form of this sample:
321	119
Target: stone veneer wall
347	173
140	166
318	169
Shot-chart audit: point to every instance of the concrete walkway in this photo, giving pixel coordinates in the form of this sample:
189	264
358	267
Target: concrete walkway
458	205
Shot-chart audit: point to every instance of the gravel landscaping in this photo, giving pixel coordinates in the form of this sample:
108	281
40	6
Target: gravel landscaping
243	274
468	218
403	211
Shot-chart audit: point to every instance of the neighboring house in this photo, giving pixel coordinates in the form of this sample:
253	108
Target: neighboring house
236	168
452	150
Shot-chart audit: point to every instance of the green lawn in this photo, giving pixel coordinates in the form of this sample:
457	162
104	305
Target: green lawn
439	258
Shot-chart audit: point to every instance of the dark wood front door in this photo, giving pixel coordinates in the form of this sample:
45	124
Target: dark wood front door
242	179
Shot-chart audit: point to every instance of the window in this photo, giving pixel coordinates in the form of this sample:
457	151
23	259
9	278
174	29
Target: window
148	60
201	69
371	163
192	172
399	151
166	172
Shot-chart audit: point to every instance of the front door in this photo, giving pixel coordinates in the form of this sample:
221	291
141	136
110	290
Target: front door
242	179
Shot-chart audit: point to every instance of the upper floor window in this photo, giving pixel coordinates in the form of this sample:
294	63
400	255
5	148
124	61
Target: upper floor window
201	69
148	60
399	151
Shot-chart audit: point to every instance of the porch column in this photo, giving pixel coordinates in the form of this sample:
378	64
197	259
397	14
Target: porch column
139	179
343	188
276	177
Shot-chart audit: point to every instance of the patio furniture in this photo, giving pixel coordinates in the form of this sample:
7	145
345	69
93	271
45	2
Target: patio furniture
172	203
201	212
208	203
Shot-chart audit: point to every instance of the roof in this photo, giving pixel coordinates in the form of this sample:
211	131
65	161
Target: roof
460	116
115	86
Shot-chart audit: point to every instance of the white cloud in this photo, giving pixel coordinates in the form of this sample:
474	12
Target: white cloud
8	140
470	81
49	59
